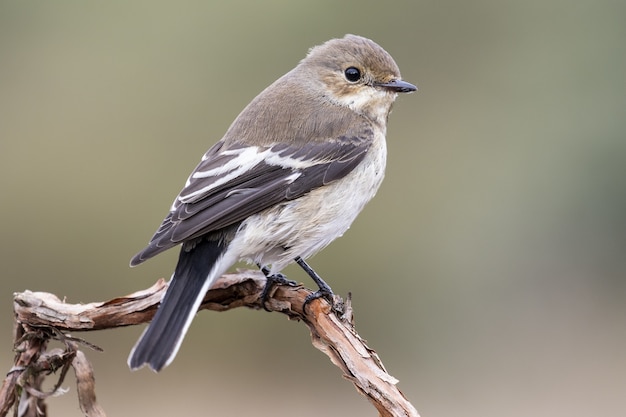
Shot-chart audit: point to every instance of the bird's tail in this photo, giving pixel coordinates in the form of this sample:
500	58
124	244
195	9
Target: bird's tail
196	271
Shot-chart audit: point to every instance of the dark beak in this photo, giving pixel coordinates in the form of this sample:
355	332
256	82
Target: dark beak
398	86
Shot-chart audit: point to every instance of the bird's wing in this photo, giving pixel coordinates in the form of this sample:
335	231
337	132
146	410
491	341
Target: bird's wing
234	182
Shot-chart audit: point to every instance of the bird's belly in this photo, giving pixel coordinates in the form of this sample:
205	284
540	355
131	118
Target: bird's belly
303	226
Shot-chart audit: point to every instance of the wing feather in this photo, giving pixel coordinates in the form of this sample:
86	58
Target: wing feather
232	183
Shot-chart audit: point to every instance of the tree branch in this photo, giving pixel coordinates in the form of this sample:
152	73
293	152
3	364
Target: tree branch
40	317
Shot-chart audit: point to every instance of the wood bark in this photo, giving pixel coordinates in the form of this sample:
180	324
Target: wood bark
40	317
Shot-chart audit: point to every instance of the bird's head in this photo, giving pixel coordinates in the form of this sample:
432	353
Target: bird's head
355	72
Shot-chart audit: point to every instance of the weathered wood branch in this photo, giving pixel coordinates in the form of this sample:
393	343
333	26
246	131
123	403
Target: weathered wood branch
40	317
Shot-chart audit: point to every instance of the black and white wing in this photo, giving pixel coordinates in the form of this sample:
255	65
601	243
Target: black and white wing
234	182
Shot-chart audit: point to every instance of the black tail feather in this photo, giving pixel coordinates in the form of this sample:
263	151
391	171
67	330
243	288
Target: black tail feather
160	342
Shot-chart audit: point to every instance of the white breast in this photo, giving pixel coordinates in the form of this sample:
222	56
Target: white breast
306	225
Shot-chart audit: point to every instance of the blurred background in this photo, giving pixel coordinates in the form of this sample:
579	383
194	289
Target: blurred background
489	273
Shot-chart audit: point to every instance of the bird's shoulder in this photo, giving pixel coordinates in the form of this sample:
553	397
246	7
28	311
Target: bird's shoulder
296	113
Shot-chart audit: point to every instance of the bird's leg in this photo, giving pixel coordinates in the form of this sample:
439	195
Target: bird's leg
324	289
270	281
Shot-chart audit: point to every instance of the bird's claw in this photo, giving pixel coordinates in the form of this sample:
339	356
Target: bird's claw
321	293
270	282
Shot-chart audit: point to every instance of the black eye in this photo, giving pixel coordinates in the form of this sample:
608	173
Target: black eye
352	74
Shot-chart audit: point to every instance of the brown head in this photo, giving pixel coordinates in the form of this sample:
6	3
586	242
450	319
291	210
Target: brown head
331	92
355	72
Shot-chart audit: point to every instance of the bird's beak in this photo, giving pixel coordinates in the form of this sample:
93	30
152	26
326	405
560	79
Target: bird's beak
397	86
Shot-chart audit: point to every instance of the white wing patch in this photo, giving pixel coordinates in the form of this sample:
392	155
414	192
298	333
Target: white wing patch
274	158
246	159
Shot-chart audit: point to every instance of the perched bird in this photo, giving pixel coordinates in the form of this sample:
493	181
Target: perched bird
290	175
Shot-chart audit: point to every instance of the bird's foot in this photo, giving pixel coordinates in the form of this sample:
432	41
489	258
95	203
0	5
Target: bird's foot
271	281
325	293
324	290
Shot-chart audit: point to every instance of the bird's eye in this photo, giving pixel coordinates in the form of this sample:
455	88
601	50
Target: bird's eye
352	74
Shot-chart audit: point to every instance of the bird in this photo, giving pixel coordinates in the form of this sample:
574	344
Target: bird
288	177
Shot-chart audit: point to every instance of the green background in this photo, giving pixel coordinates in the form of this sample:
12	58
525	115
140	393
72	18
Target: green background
488	273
